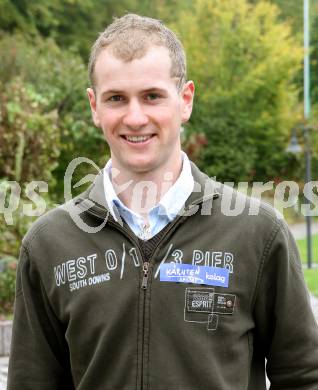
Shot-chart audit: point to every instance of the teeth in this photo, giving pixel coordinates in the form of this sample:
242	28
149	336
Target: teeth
138	138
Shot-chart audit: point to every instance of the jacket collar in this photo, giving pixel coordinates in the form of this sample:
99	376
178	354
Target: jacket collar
93	200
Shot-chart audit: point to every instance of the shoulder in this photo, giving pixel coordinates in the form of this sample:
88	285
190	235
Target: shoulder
229	202
243	217
230	207
51	225
256	219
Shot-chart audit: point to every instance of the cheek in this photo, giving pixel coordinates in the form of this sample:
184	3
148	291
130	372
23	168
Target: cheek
169	116
108	121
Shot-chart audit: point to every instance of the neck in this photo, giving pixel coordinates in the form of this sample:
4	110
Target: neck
141	191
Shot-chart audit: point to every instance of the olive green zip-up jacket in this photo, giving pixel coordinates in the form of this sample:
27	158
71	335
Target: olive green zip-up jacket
92	314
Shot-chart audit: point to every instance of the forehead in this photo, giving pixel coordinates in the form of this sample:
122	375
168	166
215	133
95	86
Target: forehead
151	70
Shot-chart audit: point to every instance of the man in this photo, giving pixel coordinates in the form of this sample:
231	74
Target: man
169	292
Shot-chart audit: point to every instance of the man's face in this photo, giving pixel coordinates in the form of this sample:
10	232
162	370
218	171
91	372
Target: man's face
139	109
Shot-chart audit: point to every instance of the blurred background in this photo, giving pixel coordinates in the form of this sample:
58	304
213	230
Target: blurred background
246	58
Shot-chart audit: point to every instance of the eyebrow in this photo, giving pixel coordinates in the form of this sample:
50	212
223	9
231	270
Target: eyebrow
157	89
112	92
119	92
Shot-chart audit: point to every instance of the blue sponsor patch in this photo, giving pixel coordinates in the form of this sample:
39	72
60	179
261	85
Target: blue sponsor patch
186	273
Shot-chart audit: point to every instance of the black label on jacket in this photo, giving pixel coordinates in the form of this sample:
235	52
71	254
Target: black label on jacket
199	301
203	305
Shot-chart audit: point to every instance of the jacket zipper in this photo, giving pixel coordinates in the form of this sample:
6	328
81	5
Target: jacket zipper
144	286
145	268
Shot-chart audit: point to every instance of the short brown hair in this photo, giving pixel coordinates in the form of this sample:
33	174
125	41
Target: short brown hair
130	36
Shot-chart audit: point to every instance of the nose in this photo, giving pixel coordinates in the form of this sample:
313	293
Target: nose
135	116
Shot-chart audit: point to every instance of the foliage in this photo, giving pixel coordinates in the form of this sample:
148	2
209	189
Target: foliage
48	106
73	24
314	60
20	205
29	136
292	11
8	267
243	61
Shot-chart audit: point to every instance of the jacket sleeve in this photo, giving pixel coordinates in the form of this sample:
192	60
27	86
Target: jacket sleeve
39	358
286	327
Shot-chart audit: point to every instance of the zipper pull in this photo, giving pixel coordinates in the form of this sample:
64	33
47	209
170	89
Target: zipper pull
145	277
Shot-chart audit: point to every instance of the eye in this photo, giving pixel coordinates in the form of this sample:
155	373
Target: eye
152	96
116	98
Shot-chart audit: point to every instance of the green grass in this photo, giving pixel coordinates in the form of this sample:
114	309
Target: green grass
302	246
311	275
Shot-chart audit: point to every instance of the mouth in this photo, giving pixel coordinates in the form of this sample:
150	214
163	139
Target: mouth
137	139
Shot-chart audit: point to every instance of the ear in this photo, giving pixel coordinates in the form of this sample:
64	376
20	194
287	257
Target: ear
187	95
92	103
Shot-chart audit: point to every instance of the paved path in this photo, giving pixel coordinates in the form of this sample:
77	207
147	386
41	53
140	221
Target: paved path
314	305
298	230
3	372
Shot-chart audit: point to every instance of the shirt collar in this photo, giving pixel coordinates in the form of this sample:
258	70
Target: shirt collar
169	205
174	199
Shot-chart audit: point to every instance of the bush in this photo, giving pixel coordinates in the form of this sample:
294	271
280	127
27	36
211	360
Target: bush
8	266
244	61
45	119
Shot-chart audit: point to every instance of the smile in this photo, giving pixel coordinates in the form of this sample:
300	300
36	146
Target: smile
137	138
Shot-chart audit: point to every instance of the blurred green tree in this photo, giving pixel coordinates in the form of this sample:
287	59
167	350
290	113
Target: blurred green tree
57	80
314	56
243	60
73	24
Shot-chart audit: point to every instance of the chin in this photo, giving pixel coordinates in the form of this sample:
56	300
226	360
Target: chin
142	167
